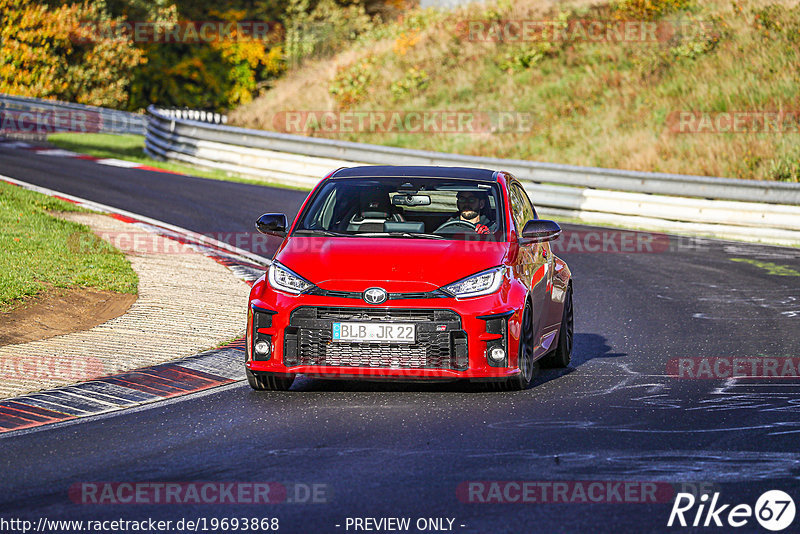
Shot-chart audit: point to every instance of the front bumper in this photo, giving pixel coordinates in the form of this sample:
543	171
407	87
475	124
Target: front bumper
453	336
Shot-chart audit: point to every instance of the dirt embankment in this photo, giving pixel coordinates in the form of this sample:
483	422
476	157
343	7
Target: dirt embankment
61	311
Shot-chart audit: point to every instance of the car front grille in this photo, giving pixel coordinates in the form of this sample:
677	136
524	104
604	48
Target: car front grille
440	343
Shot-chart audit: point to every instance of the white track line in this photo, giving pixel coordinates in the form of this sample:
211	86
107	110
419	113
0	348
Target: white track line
118	163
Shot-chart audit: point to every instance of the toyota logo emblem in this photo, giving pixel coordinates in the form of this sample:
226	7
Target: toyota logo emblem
375	295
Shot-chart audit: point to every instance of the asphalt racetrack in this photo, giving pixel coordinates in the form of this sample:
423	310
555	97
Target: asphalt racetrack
342	451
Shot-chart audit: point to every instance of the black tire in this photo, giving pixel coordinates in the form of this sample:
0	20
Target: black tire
528	367
268	382
562	354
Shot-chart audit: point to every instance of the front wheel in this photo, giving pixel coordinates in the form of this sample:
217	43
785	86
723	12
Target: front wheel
527	367
268	382
562	354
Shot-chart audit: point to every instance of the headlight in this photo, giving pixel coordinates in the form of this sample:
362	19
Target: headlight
283	279
483	283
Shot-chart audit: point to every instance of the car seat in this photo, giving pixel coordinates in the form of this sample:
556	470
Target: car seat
375	210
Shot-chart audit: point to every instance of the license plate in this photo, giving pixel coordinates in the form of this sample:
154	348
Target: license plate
374	332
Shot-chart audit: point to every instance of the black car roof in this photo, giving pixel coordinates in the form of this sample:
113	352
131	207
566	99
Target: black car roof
465	173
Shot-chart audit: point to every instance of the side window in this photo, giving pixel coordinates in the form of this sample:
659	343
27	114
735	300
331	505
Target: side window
322	219
526	200
517	208
526	207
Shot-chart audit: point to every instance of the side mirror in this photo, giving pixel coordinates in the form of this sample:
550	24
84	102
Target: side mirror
272	224
539	230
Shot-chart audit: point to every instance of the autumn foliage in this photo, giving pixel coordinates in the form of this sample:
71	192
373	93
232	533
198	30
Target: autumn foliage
89	51
43	54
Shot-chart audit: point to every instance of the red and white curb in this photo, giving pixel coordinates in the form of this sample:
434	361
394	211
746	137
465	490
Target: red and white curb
208	246
145	385
62	153
125	390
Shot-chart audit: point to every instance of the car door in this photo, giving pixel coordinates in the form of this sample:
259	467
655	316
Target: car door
538	262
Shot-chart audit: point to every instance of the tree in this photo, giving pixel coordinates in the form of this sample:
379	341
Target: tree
58	52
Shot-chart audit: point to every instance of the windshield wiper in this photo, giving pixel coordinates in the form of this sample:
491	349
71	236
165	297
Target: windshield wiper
315	231
422	235
399	234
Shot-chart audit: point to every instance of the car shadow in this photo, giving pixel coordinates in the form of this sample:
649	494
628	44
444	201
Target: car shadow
586	347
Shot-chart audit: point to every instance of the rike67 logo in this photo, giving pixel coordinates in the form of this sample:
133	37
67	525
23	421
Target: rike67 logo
774	510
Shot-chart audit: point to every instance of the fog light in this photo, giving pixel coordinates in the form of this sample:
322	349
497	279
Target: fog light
262	347
497	354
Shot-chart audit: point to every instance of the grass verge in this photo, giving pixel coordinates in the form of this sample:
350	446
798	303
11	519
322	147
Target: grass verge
614	102
38	250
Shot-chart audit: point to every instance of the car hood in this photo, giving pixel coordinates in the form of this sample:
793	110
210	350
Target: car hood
395	264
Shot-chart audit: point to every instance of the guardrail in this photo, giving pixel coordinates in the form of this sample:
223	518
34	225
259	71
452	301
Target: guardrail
23	115
697	205
195	115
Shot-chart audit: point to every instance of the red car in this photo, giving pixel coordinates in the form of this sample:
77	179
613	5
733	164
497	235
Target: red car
411	273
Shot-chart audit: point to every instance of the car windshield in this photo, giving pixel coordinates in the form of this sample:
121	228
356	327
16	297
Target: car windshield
406	207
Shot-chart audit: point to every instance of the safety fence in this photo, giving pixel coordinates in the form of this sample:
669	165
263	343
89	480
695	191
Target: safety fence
697	205
21	116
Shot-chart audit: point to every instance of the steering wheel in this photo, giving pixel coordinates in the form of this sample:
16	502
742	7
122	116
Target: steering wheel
466	226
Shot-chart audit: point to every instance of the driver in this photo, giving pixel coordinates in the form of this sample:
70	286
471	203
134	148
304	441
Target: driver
471	206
